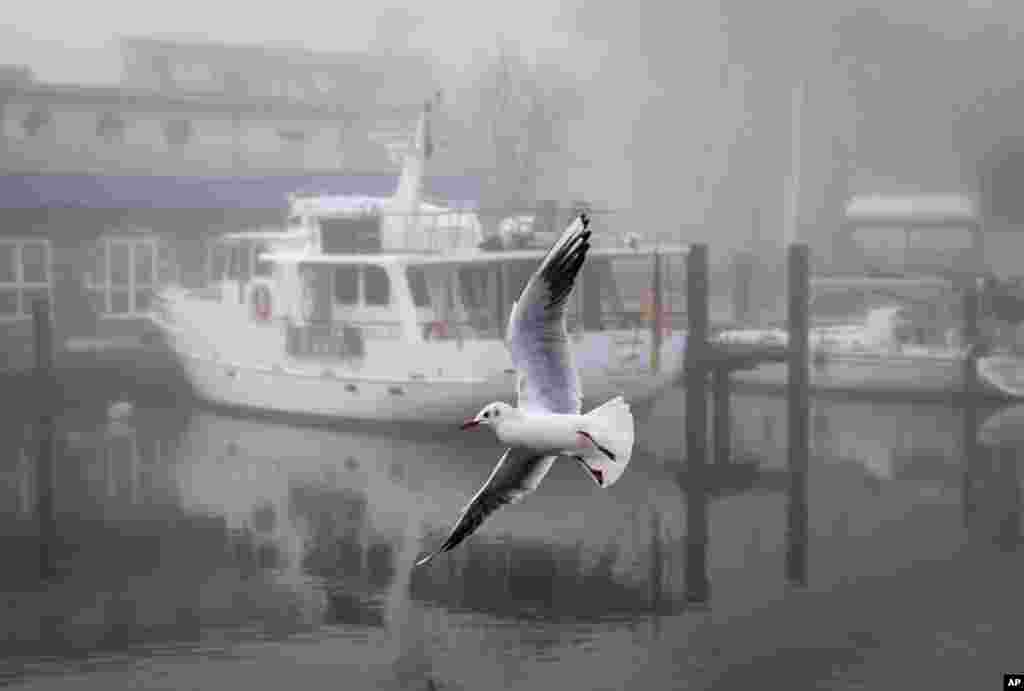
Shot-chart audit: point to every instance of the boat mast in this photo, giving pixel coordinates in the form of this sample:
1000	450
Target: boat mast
792	220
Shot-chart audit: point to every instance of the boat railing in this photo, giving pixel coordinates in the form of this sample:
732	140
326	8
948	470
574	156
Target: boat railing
459	226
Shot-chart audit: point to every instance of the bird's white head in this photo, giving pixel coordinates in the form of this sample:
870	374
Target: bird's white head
492	415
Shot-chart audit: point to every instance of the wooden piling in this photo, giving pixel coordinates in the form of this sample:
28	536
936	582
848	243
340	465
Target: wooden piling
697	587
504	300
797	398
743	268
656	307
45	437
722	421
969	387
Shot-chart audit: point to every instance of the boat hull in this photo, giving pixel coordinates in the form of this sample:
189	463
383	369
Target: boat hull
231	361
432	401
877	377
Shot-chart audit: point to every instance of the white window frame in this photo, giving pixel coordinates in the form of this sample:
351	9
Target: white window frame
105	285
20	284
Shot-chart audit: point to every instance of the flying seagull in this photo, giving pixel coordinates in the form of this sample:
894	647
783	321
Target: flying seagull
547	422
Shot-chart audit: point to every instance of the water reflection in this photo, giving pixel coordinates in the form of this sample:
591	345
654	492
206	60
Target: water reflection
994	489
195	526
355	519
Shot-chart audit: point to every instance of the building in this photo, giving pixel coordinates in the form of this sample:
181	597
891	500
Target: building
272	72
106	190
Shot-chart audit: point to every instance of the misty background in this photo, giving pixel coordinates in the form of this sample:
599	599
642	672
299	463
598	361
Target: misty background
681	115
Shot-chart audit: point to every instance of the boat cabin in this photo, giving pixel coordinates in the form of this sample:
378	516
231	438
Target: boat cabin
922	233
333	288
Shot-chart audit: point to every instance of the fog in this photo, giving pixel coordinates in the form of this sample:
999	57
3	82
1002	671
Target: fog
685	111
223	452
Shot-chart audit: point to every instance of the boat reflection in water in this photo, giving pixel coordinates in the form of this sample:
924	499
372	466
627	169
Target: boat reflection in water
354	511
349	513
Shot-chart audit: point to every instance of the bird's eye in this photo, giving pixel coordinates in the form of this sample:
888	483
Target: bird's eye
487	414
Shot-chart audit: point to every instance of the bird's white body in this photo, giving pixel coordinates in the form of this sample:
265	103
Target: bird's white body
547	421
551	433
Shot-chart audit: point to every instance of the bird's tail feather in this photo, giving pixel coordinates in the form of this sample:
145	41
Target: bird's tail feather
612	433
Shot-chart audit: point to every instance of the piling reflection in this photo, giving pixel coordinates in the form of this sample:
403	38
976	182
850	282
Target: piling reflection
994	483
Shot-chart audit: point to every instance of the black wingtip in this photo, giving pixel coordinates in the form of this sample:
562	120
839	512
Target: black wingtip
562	268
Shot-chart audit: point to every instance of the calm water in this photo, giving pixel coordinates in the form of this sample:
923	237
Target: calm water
207	551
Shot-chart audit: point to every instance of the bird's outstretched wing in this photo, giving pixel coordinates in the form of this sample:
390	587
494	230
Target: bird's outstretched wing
537	337
518	473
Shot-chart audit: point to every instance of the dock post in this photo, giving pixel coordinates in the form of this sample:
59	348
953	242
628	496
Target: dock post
45	437
697	587
656	308
504	302
722	422
969	376
797	395
741	298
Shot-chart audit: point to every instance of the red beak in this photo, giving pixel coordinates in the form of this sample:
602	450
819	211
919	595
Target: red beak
469	423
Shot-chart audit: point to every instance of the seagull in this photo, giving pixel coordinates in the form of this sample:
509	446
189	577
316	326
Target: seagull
546	423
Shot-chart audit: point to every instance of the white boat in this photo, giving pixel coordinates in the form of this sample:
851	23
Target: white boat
899	334
865	357
388	310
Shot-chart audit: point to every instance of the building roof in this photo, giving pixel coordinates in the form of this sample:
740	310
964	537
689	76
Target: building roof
913	210
294	54
152	100
45	191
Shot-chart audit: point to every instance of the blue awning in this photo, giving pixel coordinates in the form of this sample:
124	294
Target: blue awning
44	191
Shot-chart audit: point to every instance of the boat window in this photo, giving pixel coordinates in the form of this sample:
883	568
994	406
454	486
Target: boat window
376	286
346	285
261	267
221	255
418	286
120	263
238	269
473	287
519	273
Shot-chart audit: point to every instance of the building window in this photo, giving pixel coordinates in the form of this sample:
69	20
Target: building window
110	128
124	275
24	276
324	83
36	121
292	137
293	144
178	133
